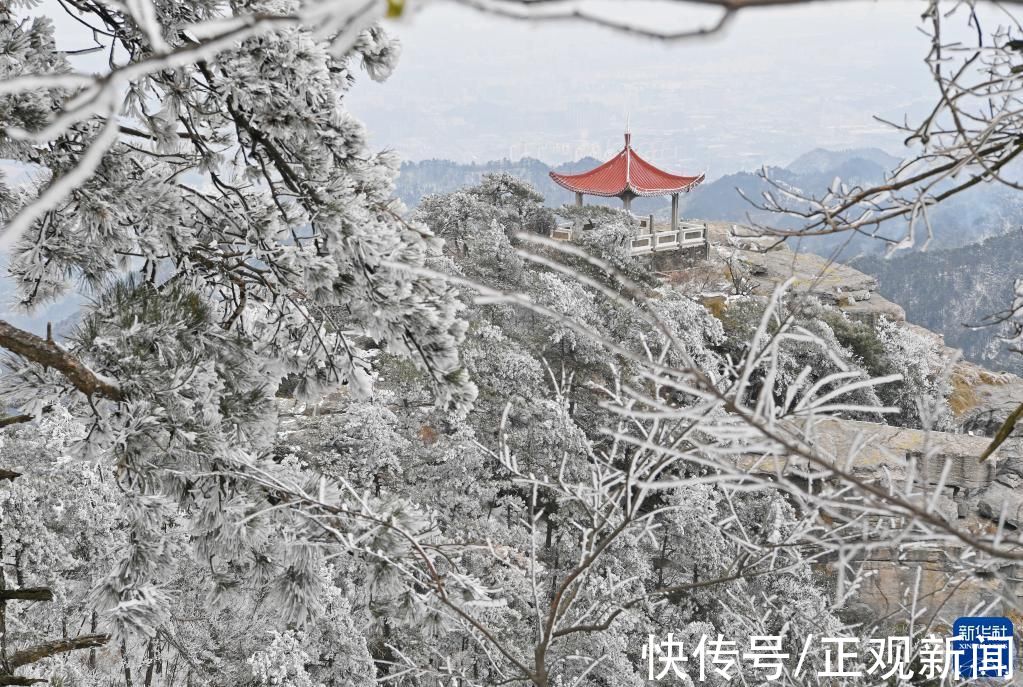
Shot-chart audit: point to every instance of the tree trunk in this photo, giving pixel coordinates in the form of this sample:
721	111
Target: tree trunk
92	651
124	664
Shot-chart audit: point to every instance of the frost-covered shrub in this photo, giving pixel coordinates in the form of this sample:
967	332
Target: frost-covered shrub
860	338
521	205
807	352
366	445
563	296
283	662
698	330
476	238
835	342
611	240
922	395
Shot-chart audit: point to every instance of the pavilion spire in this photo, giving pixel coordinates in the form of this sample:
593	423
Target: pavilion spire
628	161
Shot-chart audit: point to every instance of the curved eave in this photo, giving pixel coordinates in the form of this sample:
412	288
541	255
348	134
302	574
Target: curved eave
566	181
688	185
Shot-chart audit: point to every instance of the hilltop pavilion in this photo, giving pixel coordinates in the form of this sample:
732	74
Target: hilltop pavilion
627	176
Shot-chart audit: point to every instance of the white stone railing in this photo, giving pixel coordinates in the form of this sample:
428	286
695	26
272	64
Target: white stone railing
646	241
642	244
687	234
692	233
646	222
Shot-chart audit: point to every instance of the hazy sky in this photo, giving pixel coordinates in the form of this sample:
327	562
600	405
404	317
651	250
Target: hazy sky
774	84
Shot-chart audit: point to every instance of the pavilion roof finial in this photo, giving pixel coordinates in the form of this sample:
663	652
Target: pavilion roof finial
628	131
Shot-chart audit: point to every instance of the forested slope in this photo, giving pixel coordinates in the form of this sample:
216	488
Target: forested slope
948	290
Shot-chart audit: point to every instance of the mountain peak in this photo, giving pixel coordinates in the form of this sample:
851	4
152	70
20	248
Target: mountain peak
821	160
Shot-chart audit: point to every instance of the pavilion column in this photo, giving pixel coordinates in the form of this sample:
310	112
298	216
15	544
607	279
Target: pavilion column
674	212
578	199
627	203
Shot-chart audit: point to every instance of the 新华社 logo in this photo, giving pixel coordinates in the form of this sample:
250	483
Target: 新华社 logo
984	647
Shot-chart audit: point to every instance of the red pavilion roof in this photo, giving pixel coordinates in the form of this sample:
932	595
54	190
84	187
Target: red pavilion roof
626	171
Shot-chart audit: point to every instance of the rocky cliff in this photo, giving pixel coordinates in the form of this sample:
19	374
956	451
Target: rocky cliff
971	494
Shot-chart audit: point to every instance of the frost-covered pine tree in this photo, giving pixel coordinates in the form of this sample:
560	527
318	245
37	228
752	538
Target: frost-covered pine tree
219	205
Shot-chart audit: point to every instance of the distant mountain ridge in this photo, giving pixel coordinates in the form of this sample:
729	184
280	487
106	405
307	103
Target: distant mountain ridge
822	161
983	211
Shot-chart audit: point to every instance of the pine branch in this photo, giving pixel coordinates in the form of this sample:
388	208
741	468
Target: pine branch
27	594
15	419
19	680
57	646
48	354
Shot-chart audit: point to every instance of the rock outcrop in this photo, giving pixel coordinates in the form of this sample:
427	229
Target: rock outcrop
768	263
974	496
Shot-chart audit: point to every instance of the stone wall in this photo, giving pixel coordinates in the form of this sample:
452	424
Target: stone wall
673	260
974	496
